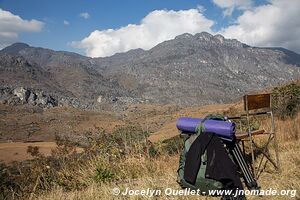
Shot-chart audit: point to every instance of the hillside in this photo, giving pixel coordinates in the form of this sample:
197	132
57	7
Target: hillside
189	70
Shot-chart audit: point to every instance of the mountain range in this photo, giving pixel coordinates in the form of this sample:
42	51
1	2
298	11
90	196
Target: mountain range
187	70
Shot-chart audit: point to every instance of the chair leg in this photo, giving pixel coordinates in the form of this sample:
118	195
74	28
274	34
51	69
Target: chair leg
265	154
275	142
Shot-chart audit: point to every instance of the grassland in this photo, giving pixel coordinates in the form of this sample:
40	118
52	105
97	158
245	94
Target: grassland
160	173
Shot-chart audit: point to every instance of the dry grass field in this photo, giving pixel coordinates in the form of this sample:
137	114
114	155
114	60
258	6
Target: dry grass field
161	173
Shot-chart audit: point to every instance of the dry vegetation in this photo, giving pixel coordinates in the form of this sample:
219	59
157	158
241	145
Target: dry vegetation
160	172
126	159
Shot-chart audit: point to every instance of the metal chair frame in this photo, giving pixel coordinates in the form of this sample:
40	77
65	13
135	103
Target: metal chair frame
254	103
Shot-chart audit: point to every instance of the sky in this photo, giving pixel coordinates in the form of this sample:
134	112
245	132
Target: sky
99	28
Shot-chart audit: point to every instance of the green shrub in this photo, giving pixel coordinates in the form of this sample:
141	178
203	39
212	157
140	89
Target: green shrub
103	174
171	146
7	185
124	140
286	100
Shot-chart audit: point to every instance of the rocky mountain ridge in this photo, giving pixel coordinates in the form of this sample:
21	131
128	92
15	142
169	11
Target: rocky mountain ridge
188	70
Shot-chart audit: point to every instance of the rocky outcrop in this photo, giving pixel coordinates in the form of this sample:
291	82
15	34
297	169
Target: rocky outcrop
22	95
39	98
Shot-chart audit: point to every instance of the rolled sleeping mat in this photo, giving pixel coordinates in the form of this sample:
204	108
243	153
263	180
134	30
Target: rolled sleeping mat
224	129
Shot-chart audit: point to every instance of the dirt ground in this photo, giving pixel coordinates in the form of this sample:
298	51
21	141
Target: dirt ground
17	151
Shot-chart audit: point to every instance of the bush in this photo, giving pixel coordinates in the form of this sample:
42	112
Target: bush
173	145
286	100
7	185
124	140
103	174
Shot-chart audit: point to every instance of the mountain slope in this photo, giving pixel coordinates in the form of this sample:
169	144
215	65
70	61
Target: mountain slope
71	73
202	69
188	70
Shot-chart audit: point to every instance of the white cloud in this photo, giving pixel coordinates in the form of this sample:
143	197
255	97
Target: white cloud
85	15
230	5
274	24
66	23
156	27
12	25
201	8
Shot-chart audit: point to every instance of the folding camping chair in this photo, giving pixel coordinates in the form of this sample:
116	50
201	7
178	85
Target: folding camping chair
258	105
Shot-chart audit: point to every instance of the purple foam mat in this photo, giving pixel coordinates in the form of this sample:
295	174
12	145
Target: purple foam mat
221	128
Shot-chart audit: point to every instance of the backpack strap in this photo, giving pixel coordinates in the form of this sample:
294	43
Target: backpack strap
203	165
189	141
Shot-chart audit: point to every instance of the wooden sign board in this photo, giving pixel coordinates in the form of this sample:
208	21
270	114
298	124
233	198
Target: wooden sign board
257	101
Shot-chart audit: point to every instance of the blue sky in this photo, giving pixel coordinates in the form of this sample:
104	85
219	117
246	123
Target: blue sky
61	25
